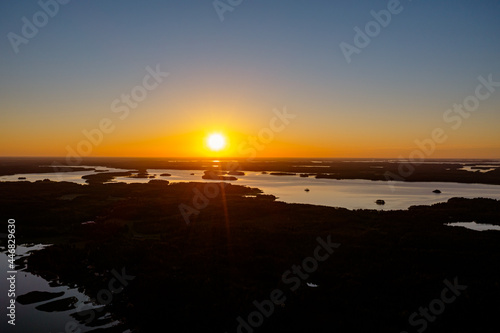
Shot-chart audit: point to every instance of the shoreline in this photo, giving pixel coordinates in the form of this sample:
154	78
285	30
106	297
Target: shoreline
182	268
376	170
236	248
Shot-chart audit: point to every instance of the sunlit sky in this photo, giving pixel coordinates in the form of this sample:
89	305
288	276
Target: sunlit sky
234	76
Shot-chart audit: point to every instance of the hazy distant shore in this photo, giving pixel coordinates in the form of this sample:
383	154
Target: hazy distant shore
432	171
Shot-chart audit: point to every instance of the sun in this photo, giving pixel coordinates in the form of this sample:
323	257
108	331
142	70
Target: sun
216	142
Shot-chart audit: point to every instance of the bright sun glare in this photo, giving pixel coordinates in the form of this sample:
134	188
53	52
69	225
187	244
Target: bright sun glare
216	142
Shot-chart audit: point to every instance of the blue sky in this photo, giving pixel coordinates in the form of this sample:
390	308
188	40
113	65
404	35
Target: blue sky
264	54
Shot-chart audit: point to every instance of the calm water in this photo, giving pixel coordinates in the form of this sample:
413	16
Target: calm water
73	176
474	226
348	193
28	318
351	194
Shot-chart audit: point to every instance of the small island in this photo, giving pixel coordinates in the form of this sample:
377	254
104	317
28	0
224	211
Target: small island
236	173
217	175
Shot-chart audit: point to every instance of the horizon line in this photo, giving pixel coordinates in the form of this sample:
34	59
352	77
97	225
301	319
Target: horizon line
256	158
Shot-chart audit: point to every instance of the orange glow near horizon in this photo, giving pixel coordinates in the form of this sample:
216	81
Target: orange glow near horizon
143	138
244	146
157	94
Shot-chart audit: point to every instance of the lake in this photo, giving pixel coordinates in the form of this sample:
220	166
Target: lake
347	193
30	319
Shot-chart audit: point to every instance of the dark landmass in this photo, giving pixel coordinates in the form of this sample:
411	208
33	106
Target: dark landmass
13	170
37	297
140	174
282	174
203	275
217	175
480	168
236	173
328	176
158	181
